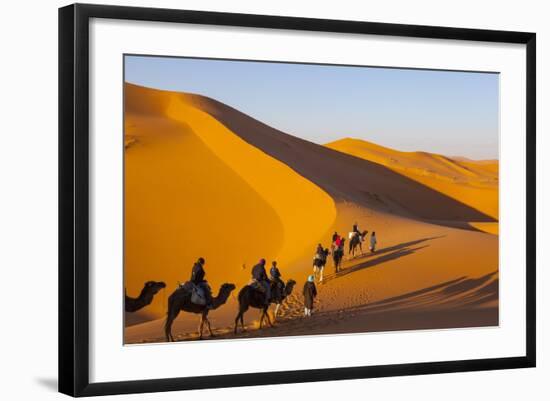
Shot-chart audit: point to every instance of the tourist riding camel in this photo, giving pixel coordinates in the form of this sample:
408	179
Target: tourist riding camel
201	285
250	297
355	230
336	241
261	281
338	253
356	242
278	284
319	250
319	262
182	300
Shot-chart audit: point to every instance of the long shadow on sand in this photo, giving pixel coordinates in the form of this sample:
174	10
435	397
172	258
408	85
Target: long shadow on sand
383	255
460	293
472	304
461	302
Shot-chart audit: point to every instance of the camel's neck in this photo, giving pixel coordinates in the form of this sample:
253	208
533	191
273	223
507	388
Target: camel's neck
288	289
145	298
220	299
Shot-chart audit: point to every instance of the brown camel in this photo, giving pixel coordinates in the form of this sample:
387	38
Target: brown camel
338	255
145	297
252	297
180	300
357	240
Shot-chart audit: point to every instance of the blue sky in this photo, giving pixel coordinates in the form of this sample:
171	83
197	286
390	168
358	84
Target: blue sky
447	112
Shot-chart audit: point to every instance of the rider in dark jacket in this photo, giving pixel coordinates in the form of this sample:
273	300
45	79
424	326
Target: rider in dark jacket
197	277
319	250
197	272
259	275
276	278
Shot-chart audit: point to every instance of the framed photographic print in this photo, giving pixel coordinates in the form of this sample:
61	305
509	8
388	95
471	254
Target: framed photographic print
250	199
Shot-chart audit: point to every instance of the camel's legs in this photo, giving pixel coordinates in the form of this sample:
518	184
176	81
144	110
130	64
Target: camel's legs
262	317
201	326
239	316
277	306
171	316
208	324
265	315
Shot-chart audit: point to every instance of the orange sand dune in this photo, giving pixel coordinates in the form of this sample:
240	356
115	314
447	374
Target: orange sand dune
192	189
346	177
473	183
205	179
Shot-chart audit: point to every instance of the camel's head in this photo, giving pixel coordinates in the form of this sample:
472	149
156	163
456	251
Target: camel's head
223	294
289	286
364	233
154	286
227	288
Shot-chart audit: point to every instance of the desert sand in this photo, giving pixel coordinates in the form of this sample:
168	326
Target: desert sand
204	179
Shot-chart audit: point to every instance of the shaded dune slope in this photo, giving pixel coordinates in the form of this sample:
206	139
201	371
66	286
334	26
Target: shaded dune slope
344	176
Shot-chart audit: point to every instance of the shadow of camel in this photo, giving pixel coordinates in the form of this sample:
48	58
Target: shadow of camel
399	246
373	262
421	309
459	293
382	255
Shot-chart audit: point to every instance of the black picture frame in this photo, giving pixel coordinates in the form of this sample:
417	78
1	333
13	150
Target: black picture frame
74	198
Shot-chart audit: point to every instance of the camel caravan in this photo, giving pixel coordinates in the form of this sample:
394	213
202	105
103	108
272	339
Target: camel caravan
195	296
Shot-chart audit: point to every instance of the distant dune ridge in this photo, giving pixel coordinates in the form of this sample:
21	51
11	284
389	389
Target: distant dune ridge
204	179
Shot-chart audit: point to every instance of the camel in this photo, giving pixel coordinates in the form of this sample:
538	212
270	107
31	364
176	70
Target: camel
355	241
145	297
338	255
319	264
252	297
180	300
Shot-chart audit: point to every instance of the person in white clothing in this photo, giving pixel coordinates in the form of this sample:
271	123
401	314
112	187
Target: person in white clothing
373	242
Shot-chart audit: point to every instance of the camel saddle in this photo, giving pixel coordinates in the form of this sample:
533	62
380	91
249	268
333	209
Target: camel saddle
257	286
198	297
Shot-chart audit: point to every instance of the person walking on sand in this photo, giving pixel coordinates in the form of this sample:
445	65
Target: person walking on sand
310	292
373	242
